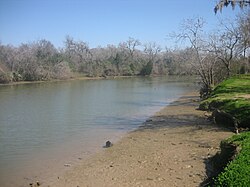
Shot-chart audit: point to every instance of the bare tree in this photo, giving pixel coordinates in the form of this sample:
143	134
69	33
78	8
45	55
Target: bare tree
244	31
7	57
227	48
127	56
131	45
151	50
202	61
78	53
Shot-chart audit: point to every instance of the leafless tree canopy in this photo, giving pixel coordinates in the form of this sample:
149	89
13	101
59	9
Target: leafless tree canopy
40	60
216	56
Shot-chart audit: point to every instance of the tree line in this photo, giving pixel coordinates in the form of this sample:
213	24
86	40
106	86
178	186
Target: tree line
40	60
212	56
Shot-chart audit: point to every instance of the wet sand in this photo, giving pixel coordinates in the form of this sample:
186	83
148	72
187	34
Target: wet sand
169	149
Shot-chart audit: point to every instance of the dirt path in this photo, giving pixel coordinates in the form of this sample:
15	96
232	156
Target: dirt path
170	149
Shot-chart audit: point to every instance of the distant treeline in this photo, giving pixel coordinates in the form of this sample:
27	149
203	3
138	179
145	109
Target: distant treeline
40	60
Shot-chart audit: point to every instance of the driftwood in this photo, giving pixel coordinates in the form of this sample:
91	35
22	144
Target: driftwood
222	118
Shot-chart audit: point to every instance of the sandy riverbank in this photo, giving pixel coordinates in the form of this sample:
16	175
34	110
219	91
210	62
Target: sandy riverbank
170	149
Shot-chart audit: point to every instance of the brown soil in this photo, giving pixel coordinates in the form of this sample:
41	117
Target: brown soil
170	149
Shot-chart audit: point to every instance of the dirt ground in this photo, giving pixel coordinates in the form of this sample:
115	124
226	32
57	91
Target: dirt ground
169	149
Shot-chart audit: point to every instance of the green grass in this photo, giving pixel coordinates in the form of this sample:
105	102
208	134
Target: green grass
236	85
237	172
233	97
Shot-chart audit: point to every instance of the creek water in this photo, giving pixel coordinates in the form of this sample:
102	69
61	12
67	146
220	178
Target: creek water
45	126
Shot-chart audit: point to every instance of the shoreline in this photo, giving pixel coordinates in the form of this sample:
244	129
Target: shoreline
63	80
170	149
83	78
50	81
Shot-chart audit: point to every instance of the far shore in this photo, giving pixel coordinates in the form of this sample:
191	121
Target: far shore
170	149
53	80
80	78
68	79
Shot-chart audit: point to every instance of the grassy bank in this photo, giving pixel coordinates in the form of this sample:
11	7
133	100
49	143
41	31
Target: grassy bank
236	173
233	98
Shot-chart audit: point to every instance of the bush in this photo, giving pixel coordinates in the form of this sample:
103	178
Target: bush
5	78
62	70
16	77
146	70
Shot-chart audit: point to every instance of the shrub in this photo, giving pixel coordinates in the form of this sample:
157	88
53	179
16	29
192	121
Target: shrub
5	78
146	70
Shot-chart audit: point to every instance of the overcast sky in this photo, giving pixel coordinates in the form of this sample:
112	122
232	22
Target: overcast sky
101	22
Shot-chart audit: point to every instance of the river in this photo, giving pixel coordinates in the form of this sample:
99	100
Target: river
45	127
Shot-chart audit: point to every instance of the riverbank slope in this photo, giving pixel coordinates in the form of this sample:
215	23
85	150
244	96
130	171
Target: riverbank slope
230	103
170	149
